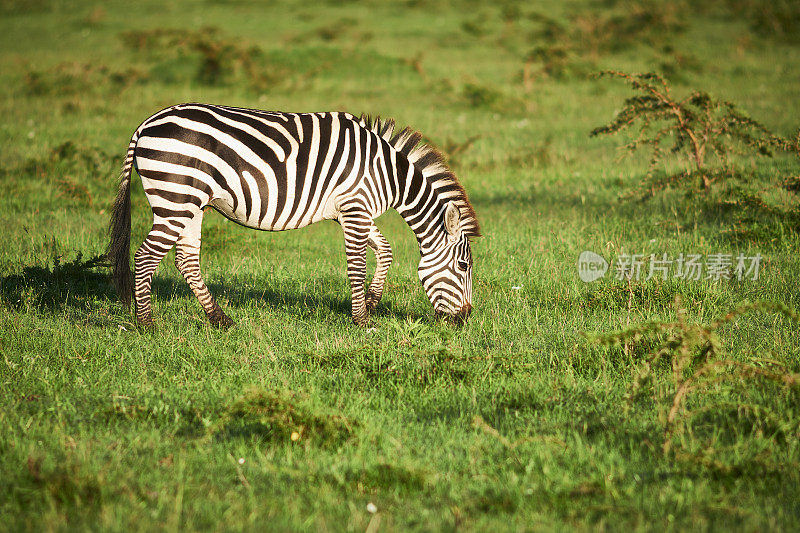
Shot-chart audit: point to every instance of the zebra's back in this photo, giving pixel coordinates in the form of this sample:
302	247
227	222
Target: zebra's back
266	170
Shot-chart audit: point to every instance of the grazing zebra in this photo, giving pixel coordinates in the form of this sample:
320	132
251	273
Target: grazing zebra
278	171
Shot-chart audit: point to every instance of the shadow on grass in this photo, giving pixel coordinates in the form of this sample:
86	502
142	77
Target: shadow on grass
79	284
297	304
66	285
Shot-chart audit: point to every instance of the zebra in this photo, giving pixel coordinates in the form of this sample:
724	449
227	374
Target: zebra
277	171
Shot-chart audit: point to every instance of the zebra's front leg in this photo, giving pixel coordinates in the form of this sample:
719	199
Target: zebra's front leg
356	234
187	259
383	257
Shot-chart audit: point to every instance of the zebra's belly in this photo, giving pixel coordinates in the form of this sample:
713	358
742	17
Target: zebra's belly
283	220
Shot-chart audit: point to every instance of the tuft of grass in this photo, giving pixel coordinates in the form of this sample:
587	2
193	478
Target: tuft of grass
66	483
387	477
281	417
43	287
64	159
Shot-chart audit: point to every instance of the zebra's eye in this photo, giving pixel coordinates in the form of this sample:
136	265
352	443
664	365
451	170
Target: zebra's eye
462	265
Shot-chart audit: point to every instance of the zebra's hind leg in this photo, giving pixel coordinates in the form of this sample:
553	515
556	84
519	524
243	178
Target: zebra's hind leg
383	256
187	259
159	241
356	225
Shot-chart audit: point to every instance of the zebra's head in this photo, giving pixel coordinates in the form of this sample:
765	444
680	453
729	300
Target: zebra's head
446	270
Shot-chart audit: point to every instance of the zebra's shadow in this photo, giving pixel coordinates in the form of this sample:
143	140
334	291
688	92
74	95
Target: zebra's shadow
76	288
240	293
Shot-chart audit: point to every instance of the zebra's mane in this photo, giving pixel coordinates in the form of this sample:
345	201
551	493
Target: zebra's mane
431	163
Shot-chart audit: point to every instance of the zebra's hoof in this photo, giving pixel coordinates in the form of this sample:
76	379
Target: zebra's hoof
223	323
362	321
145	322
372	302
220	320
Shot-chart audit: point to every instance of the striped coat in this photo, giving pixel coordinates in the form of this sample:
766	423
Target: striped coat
278	171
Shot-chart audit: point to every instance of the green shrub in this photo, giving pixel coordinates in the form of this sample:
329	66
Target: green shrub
696	128
694	353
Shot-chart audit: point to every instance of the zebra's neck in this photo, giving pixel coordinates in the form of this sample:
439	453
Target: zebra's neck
425	184
421	208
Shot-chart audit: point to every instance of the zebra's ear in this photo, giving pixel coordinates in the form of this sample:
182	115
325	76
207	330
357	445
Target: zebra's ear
451	217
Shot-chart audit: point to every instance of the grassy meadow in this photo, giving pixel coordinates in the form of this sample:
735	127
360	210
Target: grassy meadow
295	419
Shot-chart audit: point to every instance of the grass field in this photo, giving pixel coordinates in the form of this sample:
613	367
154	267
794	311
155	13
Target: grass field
295	419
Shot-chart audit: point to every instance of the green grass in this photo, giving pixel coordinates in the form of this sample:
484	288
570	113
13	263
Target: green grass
295	418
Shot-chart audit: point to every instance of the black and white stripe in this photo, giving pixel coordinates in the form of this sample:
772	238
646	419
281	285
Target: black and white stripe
278	171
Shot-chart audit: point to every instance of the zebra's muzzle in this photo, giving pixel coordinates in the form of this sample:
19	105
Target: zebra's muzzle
459	317
462	316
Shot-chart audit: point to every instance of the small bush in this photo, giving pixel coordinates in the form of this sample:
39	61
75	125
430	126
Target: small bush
696	128
486	97
454	150
568	50
554	61
474	26
694	354
676	66
480	96
640	22
68	79
341	30
213	59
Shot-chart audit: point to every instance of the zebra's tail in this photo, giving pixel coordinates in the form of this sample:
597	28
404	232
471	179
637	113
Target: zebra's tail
119	249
